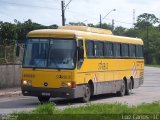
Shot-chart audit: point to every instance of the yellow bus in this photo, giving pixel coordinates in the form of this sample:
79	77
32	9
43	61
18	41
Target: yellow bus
79	62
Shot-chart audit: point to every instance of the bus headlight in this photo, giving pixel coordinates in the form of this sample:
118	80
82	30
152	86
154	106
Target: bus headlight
68	84
29	83
24	82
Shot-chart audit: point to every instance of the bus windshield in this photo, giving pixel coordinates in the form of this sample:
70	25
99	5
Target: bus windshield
53	53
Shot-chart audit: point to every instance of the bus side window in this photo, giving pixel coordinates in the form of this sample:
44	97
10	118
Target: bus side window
108	49
139	51
117	50
125	50
98	46
90	48
142	51
80	54
80	43
132	51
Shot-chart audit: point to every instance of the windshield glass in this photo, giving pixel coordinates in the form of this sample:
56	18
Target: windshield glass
44	53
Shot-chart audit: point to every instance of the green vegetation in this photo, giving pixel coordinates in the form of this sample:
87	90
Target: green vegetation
90	112
10	33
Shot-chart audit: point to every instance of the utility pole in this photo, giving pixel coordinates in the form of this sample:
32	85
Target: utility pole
63	17
134	17
100	24
147	46
112	25
147	36
63	7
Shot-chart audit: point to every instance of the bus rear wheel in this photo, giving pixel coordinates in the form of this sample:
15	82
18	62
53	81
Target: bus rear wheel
129	88
43	99
122	89
87	94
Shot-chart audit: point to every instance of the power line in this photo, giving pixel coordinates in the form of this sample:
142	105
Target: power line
123	22
67	4
25	5
134	12
78	13
119	21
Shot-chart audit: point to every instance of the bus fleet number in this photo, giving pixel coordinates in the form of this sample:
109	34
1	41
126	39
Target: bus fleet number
102	66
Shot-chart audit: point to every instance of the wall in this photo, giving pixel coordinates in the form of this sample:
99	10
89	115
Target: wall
10	76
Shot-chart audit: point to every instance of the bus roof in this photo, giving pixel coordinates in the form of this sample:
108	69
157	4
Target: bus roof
82	32
86	29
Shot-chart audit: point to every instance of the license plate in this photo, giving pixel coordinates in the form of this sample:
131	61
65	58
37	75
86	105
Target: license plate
46	94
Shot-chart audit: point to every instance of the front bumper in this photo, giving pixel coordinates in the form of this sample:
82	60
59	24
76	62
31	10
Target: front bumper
54	92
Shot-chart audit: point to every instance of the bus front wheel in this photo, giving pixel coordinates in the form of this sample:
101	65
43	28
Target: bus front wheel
43	99
87	94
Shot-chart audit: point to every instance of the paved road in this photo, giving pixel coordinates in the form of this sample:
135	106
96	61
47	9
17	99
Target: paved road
147	93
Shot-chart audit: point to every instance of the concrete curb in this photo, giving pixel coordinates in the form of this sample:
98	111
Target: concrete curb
4	94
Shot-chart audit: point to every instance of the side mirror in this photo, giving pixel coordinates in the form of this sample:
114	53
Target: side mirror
17	51
80	53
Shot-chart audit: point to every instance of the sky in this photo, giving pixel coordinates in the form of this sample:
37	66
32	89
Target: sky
48	12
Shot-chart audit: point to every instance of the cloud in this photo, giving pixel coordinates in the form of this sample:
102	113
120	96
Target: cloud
139	2
48	12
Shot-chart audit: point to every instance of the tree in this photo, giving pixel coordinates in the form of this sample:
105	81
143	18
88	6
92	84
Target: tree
77	23
8	33
146	19
27	26
120	31
146	27
91	25
133	32
17	31
153	47
104	26
54	26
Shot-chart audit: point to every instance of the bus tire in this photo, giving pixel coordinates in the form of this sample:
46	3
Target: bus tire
129	88
43	99
87	94
122	89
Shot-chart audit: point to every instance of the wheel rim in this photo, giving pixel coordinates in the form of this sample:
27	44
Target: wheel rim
87	93
130	87
123	88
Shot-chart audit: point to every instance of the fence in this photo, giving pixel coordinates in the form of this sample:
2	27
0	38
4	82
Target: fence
10	76
10	66
8	54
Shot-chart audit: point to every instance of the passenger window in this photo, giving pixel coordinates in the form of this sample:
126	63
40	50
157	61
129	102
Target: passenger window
139	51
90	48
132	51
117	50
80	43
125	50
108	49
98	49
80	54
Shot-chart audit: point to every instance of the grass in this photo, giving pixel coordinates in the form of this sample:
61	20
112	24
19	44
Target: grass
117	111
